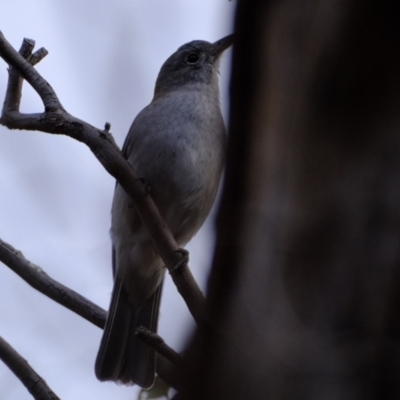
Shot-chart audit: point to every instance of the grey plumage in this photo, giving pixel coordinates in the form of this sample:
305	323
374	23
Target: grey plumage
176	144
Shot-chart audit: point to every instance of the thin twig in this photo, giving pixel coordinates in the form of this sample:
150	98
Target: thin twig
56	120
35	384
38	279
157	343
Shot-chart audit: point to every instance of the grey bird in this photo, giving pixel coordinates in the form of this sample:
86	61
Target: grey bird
177	145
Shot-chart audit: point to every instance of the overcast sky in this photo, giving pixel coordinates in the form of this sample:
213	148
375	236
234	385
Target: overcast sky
55	197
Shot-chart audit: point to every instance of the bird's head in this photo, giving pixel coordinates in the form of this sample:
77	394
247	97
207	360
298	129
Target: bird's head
194	62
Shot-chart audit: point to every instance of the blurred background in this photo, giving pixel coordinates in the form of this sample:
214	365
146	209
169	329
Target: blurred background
55	196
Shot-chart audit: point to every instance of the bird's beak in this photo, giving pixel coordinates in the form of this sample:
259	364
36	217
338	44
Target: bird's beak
221	45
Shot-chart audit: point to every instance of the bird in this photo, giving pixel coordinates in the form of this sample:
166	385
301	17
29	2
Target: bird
177	146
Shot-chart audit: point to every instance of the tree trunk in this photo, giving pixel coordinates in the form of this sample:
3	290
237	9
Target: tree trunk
304	291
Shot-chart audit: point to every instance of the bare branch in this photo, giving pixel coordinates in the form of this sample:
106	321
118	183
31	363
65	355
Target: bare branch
56	120
38	279
170	364
169	373
25	68
157	343
14	88
35	384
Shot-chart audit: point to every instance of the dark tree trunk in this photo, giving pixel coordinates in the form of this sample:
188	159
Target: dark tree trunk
304	294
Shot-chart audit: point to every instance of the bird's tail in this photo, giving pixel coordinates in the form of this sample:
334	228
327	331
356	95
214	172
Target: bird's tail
122	356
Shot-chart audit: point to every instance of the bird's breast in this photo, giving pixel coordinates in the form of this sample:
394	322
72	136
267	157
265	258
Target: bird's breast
178	145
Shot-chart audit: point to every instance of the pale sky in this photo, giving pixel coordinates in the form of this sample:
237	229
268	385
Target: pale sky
103	60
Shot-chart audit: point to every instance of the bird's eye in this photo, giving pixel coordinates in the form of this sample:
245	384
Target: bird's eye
192	58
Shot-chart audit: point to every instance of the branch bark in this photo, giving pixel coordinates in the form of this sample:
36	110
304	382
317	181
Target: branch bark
35	384
169	373
38	279
158	344
169	363
56	120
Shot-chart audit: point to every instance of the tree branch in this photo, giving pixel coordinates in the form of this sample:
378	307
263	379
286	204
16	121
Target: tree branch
158	344
38	279
169	362
169	373
14	88
35	384
56	120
